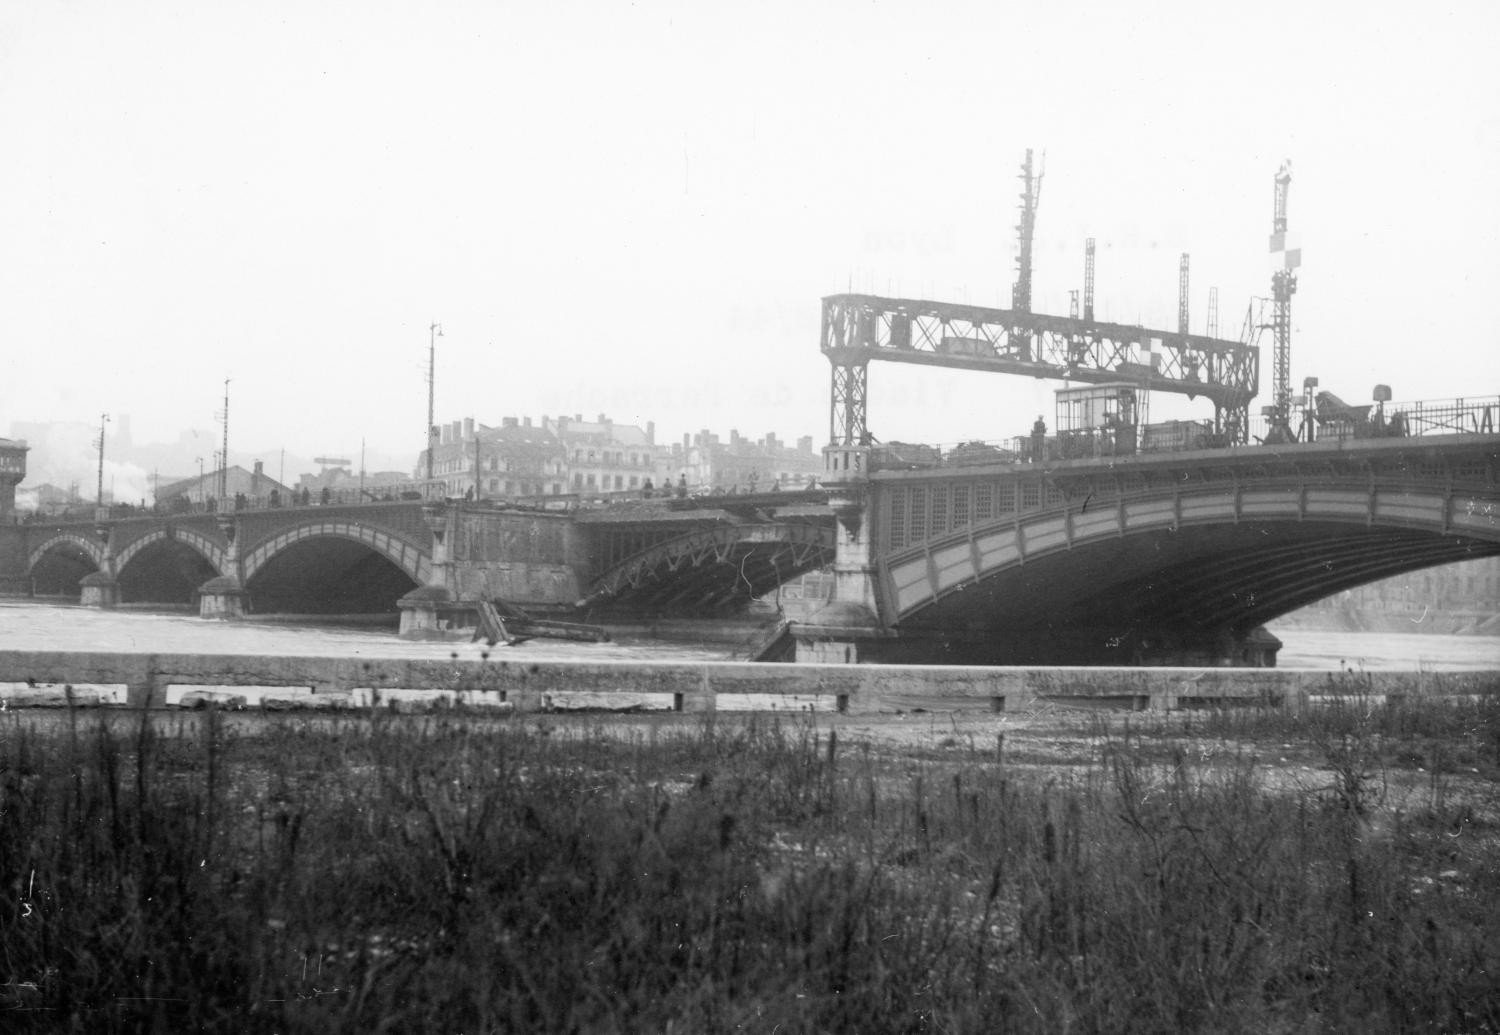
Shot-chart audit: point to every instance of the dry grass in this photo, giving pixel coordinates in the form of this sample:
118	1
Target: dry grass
463	874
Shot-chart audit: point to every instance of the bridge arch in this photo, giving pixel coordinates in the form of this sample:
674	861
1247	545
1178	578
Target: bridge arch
402	552
86	545
715	568
333	566
56	566
167	565
207	548
1195	562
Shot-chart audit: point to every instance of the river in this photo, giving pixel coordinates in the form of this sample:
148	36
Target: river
28	625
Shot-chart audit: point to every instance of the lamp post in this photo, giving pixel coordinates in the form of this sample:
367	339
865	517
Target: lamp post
434	332
201	476
99	493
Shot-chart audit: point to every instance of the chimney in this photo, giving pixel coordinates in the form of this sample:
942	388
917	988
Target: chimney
734	437
443	430
562	425
468	428
687	440
578	417
526	422
804	444
651	433
771	442
255	478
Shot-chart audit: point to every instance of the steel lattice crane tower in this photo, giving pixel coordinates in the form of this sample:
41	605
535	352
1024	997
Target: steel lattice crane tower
1285	261
1031	192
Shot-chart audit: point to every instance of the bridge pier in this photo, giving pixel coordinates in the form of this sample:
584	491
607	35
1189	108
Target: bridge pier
223	596
100	588
846	630
425	610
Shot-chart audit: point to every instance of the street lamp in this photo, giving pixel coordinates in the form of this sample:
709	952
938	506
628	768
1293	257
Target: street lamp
99	494
434	332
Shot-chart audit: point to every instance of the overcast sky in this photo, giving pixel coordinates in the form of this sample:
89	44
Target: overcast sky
635	208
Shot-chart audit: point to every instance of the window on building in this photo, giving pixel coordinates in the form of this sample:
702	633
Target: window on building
494	485
619	481
635	481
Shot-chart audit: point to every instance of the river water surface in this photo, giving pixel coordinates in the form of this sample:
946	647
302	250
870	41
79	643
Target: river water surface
27	625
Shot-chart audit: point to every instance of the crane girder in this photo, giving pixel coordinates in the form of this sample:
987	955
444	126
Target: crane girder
859	328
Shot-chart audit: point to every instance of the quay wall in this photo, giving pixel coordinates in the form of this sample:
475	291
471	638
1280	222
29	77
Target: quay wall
532	685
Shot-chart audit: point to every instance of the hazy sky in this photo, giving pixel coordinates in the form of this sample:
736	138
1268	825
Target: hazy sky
635	208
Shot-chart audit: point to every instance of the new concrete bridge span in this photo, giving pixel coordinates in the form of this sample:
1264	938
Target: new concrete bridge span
1174	558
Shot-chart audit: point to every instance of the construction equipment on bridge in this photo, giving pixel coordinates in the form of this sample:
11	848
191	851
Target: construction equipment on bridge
859	328
500	622
1285	260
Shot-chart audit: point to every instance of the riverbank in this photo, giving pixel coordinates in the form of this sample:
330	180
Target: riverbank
1210	872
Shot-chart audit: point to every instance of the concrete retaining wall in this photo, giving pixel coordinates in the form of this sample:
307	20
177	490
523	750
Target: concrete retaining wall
695	686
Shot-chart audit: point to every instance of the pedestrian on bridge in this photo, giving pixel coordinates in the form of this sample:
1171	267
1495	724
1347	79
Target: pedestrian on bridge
1039	440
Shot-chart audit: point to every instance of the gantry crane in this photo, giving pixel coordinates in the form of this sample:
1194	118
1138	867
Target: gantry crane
860	328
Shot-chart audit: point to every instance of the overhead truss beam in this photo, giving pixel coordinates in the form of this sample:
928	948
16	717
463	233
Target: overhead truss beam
860	328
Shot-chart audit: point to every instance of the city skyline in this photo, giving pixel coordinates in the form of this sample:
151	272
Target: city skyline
64	453
637	209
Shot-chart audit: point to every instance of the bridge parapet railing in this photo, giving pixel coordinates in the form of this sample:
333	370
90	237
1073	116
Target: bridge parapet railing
1344	423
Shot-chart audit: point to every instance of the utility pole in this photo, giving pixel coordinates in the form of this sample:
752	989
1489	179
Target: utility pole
434	332
99	493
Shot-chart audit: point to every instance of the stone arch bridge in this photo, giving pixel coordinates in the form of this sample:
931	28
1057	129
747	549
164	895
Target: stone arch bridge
670	557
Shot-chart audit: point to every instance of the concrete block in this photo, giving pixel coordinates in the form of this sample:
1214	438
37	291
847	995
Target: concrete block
776	703
253	695
197	699
60	695
596	701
